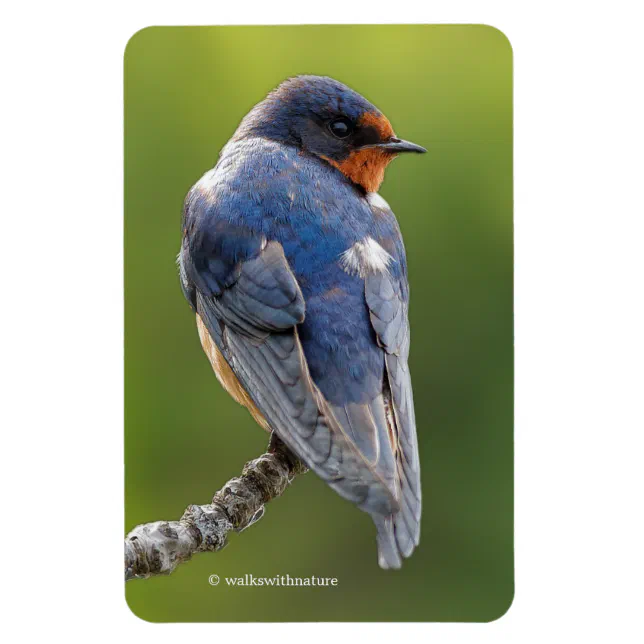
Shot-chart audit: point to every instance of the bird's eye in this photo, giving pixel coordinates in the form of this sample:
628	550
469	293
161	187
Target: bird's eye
341	128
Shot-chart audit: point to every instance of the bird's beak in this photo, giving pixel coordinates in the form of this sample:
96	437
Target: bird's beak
398	145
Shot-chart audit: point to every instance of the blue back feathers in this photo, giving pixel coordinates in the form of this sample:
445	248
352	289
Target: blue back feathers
263	191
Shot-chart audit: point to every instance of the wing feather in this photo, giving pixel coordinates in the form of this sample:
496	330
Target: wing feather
389	318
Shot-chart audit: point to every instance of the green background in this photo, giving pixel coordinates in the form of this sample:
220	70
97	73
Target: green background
448	88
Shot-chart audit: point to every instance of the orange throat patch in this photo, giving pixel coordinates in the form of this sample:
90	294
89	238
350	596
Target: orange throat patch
365	167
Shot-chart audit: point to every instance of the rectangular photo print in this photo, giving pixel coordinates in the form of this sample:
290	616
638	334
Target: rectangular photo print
319	324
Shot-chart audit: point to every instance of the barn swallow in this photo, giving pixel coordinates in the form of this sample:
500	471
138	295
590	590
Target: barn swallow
296	270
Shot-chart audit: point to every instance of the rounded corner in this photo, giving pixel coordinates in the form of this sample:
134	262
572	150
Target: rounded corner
503	36
504	610
135	36
137	615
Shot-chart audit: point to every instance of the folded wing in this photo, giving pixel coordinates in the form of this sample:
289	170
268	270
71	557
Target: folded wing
252	319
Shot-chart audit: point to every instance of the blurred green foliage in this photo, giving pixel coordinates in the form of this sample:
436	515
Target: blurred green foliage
448	88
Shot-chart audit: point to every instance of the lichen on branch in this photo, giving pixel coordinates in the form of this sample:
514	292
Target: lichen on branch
157	548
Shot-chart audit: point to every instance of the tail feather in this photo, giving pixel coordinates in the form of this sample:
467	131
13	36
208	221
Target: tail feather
388	551
396	539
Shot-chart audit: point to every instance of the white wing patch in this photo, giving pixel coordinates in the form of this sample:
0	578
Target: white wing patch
376	201
365	257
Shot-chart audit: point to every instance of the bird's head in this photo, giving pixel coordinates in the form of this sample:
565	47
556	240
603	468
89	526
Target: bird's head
325	118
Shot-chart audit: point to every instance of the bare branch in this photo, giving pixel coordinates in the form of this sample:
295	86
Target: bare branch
157	548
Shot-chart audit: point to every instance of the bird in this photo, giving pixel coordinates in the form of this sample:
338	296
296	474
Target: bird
295	268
